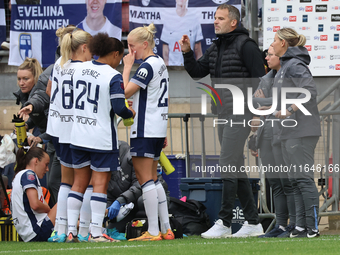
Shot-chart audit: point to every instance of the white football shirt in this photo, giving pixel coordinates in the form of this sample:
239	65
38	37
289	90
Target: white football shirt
53	119
25	219
150	102
95	125
61	101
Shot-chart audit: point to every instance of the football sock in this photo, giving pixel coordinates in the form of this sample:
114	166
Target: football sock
150	200
163	212
98	206
74	202
85	212
62	208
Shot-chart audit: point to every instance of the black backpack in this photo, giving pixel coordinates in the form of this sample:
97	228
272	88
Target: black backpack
191	215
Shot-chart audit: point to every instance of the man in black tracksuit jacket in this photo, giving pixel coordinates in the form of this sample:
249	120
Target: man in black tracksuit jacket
233	58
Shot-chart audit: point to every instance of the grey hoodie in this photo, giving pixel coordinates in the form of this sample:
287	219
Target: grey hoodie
294	72
266	85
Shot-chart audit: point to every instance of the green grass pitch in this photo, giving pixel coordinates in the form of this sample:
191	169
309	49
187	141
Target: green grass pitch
190	245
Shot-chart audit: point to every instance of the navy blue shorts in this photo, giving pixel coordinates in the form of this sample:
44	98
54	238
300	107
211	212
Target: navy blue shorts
55	141
44	232
99	162
146	147
66	155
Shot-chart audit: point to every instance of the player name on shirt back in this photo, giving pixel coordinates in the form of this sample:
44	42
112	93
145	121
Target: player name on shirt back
91	72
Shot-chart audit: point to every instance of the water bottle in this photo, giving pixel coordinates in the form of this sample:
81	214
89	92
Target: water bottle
124	211
166	164
127	122
20	129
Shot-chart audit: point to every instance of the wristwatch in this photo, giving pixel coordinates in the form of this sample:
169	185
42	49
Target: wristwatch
290	109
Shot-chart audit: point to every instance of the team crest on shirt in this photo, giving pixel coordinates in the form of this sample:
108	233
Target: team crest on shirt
15	221
30	177
142	73
121	84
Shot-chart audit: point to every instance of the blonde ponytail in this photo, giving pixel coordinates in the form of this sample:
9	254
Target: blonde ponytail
291	37
71	42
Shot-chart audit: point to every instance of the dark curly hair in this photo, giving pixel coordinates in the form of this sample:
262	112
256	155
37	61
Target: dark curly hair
101	45
24	157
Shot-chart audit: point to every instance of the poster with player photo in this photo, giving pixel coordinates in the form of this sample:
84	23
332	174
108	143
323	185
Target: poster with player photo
34	23
175	18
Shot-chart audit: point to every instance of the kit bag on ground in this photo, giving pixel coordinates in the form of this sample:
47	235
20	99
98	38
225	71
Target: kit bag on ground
191	215
133	231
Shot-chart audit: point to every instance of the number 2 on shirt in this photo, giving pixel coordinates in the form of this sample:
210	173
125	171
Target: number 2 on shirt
163	102
67	96
87	86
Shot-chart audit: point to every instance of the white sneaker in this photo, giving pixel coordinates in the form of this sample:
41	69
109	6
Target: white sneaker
5	45
249	230
217	231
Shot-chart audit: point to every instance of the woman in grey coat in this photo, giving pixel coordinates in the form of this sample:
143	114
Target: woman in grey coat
302	130
271	154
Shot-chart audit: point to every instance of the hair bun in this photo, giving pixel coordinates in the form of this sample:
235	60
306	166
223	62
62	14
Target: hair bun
151	28
60	31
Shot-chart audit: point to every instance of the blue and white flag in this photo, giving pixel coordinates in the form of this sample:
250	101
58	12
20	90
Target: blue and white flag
196	19
34	23
2	22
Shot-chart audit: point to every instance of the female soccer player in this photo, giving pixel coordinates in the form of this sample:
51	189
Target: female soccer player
298	143
149	87
40	102
98	96
74	50
32	217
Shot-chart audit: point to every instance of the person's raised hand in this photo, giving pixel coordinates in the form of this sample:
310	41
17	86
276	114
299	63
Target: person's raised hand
129	59
185	43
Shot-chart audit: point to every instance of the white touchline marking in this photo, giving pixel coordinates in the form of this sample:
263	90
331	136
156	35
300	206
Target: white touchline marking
177	244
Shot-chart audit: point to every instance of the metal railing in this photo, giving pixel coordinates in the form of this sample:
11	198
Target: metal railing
331	132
